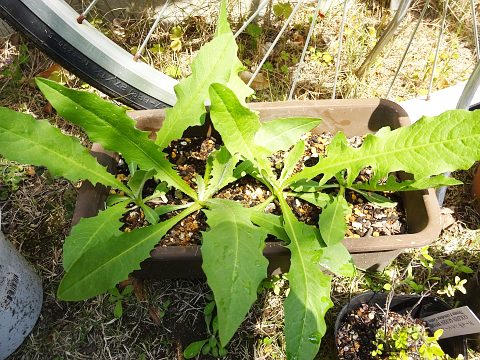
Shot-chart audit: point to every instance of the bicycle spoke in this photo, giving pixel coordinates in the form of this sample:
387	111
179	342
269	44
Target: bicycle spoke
139	51
84	14
260	8
337	65
300	63
275	41
385	38
475	30
407	48
437	50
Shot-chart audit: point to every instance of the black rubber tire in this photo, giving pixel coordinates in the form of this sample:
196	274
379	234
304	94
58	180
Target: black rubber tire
24	20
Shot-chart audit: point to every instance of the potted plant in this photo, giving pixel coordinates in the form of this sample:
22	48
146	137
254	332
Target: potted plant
97	255
376	325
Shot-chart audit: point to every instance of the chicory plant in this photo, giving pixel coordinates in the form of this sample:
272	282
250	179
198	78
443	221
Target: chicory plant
97	255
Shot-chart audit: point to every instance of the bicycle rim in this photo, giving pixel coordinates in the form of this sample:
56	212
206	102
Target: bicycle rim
87	53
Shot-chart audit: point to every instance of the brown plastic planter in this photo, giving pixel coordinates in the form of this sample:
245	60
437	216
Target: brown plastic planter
352	117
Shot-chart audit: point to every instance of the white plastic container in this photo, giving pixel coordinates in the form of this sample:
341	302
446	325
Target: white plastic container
21	296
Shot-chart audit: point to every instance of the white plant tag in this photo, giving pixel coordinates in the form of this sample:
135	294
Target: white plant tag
455	322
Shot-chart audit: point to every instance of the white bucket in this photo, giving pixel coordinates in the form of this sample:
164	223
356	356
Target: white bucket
21	296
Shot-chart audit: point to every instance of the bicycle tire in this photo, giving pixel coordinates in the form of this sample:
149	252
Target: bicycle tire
83	50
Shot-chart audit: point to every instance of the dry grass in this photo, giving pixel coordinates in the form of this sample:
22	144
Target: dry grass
36	217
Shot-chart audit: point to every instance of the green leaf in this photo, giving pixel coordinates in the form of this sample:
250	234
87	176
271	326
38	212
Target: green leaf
309	296
215	63
159	191
115	199
138	180
377	199
92	231
273	224
113	128
430	146
206	349
29	141
310	186
317	199
150	214
254	30
101	267
128	290
223	165
132	167
209	308
291	160
449	263
223	27
114	291
164	209
238	125
331	221
193	349
336	259
407	185
281	134
465	269
200	186
118	310
234	264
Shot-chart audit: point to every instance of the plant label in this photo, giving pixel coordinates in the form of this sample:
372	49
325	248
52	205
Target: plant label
455	322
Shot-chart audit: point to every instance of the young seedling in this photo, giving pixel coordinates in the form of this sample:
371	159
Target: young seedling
117	297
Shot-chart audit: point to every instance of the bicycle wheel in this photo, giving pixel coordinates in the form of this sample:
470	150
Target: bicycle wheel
87	53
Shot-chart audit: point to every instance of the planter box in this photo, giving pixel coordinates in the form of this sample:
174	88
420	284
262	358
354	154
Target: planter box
352	117
402	304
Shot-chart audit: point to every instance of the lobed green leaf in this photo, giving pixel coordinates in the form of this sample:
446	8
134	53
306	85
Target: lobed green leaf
336	259
317	199
406	185
110	126
273	224
101	267
430	146
216	63
29	141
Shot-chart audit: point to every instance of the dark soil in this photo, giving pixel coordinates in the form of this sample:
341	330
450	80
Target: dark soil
356	334
189	156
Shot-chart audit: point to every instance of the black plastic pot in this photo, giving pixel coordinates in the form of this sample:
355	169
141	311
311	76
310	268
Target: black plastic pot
402	304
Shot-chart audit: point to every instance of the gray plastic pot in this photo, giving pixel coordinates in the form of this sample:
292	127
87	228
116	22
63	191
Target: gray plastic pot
21	297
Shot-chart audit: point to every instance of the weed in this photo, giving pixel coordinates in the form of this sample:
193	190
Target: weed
12	73
117	297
